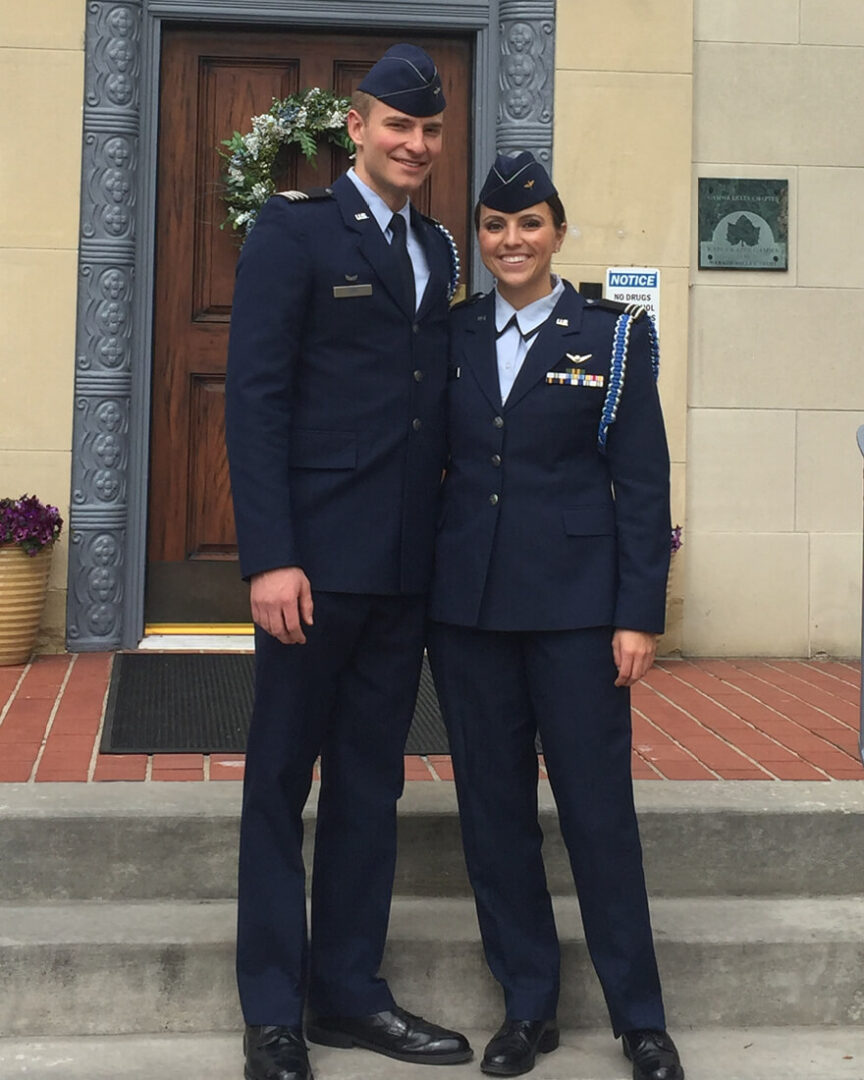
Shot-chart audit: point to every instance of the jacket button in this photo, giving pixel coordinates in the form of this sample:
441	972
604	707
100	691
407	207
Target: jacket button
416	424
416	328
493	499
498	421
418	375
496	460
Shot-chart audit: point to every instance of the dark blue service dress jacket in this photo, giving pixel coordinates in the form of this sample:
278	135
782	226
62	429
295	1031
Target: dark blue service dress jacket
542	528
335	397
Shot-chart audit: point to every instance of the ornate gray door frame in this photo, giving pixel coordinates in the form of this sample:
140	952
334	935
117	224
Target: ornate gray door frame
513	91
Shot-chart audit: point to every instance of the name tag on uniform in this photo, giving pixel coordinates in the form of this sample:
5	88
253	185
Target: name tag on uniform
342	292
574	377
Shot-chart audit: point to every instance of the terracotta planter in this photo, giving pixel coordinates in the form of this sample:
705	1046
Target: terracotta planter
23	586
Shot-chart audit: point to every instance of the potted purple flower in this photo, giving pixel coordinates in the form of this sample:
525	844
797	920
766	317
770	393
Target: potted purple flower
28	529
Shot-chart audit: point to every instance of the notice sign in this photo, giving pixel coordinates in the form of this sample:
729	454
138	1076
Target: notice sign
743	224
635	285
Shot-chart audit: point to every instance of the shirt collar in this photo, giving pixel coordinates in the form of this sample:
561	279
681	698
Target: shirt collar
530	316
380	210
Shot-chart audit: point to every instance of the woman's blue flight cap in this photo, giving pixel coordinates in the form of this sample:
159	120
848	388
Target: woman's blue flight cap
515	183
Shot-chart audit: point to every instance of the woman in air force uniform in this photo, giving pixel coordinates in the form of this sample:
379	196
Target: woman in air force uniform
549	591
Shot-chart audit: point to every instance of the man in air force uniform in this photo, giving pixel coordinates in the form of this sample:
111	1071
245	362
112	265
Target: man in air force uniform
335	431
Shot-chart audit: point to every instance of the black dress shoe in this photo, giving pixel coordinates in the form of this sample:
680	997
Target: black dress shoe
396	1033
516	1044
653	1054
275	1053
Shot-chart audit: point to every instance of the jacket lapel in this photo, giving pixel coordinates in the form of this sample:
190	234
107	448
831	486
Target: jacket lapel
478	348
371	242
553	340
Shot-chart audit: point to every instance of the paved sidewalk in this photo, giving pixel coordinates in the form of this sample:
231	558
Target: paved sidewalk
740	719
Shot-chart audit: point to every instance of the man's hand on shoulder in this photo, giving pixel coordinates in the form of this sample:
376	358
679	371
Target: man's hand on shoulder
282	603
633	651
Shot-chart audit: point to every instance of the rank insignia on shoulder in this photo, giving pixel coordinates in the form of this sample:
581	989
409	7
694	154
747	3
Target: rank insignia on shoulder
634	310
468	301
294	195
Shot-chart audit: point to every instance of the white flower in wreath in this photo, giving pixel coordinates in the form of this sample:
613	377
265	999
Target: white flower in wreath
304	119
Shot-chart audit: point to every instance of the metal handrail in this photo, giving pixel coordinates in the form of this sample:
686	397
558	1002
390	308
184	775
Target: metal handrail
860	437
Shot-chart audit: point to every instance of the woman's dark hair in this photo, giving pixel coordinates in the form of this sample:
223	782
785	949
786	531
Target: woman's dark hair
553	202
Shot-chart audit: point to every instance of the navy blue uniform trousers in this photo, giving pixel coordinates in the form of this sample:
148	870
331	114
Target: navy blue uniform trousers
497	689
348	694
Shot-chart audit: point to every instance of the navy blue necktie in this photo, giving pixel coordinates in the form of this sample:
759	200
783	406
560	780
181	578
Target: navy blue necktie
399	247
513	321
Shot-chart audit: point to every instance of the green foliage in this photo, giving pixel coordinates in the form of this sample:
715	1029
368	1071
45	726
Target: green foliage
305	119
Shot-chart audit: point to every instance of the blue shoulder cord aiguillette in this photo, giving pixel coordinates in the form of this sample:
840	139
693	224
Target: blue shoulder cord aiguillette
617	371
620	345
655	347
455	264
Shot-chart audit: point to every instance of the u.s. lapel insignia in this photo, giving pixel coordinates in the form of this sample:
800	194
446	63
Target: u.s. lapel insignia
361	216
528	184
575	358
562	322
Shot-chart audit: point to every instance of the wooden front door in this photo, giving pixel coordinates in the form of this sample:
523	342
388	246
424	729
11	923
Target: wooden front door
212	83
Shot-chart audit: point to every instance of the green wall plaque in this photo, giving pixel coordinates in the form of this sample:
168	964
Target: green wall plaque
743	224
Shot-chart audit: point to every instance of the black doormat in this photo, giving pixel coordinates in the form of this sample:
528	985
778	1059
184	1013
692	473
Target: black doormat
172	703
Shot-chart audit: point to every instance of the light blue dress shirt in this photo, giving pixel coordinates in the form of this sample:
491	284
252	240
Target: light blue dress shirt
514	342
382	214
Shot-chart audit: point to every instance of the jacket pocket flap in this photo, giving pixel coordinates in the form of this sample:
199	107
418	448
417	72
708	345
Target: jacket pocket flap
324	449
590	521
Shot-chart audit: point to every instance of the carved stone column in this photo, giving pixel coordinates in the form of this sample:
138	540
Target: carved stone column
527	77
104	335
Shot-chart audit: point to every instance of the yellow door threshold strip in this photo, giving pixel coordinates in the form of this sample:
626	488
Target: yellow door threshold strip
199	628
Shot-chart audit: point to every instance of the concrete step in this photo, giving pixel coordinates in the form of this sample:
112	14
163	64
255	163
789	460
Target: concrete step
100	968
806	1053
171	840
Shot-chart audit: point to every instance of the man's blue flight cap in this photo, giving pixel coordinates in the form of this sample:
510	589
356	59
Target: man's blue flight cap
406	78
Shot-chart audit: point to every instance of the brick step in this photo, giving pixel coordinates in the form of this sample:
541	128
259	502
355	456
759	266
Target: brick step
100	968
155	841
794	1053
